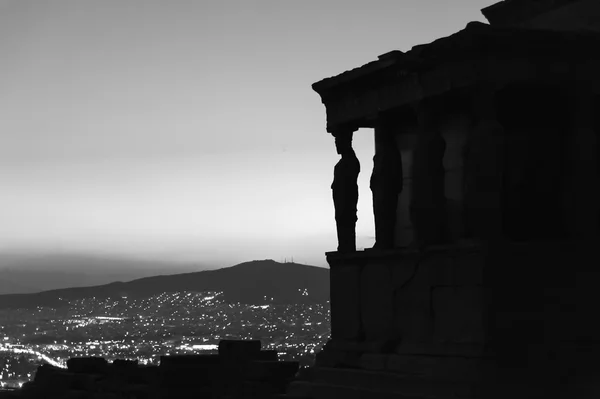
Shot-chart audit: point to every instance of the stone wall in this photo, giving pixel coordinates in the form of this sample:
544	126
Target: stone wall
524	311
437	299
409	302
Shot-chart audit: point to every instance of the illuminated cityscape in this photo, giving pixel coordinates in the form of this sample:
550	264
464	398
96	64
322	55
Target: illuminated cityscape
146	328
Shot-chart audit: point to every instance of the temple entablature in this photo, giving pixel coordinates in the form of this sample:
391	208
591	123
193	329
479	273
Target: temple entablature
456	63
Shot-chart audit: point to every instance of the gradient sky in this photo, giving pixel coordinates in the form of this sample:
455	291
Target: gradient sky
187	130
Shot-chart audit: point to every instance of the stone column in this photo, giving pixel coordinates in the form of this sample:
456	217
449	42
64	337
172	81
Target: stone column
345	190
483	164
386	182
581	193
428	203
455	134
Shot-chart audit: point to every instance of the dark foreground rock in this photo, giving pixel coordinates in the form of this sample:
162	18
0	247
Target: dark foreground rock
240	370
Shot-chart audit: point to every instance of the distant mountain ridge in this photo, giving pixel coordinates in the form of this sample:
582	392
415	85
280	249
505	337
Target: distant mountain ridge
11	287
255	282
35	272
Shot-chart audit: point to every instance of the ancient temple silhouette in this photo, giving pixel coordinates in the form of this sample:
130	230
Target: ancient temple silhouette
485	283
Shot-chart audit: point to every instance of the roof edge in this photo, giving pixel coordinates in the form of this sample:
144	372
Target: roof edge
520	10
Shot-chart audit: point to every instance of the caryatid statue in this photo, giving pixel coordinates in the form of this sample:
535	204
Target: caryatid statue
386	185
428	201
345	192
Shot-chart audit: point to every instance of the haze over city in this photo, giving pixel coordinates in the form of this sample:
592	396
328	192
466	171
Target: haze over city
186	131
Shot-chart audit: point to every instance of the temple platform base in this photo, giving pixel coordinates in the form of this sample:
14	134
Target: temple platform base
509	320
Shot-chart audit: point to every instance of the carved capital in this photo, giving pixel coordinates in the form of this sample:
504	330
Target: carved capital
343	138
343	131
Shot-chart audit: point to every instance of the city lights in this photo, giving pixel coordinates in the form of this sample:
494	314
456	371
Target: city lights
146	328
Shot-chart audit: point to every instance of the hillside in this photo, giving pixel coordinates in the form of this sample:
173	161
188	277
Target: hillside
251	282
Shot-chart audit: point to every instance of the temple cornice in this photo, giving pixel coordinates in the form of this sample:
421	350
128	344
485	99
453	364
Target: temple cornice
519	11
476	38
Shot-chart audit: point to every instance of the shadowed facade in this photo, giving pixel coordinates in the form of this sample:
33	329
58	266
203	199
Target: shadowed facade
483	281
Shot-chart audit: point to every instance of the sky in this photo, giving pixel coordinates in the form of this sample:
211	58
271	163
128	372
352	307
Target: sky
187	130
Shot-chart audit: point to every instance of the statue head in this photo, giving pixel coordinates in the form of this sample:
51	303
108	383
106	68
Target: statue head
343	142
